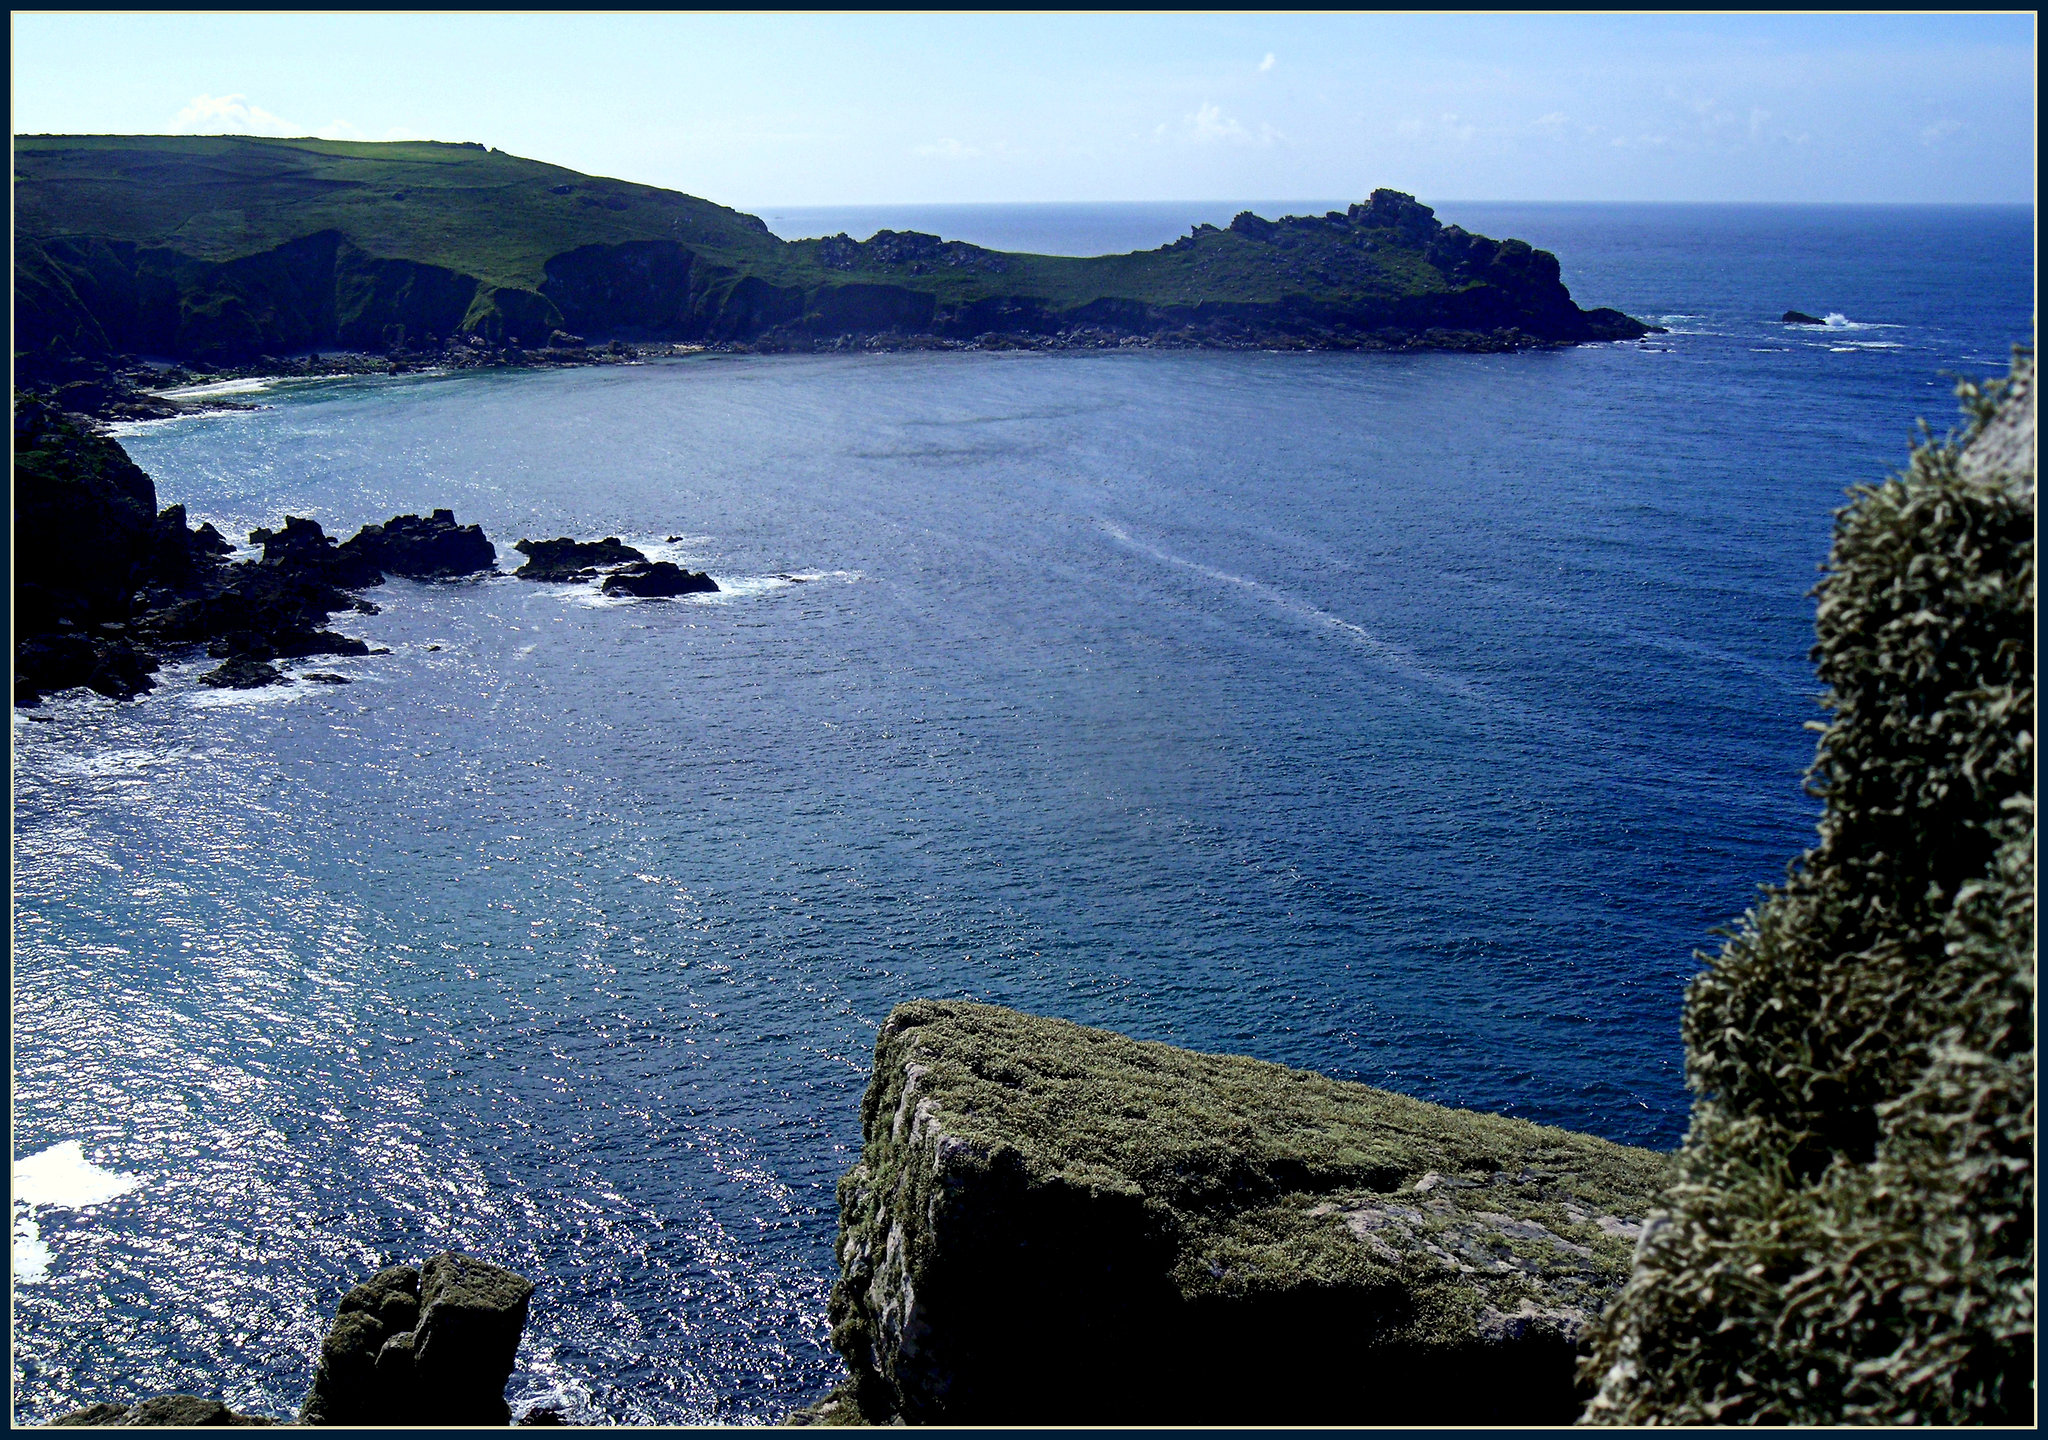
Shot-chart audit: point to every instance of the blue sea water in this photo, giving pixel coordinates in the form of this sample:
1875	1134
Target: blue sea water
1413	718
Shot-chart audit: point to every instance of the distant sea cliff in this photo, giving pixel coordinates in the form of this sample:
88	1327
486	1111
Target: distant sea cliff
219	250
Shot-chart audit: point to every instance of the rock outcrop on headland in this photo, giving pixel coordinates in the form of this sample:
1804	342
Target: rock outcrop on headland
1051	1224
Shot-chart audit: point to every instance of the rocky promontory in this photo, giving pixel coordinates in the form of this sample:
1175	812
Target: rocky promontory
107	587
215	250
1051	1224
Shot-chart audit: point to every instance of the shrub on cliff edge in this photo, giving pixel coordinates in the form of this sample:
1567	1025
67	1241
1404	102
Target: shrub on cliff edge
1851	1235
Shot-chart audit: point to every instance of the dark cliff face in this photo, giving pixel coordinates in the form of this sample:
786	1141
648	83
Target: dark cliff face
290	248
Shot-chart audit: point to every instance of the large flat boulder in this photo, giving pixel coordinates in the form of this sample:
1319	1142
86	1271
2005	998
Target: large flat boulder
1056	1224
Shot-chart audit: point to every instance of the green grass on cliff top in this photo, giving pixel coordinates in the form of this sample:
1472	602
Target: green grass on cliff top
500	218
475	211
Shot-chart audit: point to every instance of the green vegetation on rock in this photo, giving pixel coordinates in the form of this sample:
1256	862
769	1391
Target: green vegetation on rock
1851	1238
1059	1224
221	248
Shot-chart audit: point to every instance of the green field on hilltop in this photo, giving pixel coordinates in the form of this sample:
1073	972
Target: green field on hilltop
462	207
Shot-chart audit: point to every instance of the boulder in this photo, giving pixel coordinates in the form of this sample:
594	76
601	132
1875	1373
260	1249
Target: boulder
657	580
428	1346
244	672
424	549
1052	1224
1800	317
566	559
189	1410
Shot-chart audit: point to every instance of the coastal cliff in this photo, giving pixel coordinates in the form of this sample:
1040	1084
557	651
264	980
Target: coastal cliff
1851	1238
1054	1224
221	249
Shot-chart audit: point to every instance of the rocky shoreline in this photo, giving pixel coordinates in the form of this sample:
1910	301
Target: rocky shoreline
108	589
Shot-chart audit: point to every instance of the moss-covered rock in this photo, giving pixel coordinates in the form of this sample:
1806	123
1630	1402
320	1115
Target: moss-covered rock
1051	1223
1851	1237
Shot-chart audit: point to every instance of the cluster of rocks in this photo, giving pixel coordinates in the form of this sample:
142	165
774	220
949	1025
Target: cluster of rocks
630	572
107	587
432	1345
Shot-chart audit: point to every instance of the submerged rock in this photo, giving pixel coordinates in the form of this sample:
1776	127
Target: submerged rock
1051	1224
657	580
567	559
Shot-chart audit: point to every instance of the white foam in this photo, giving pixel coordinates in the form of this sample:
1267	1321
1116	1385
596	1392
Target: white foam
1394	657
63	1178
208	698
216	387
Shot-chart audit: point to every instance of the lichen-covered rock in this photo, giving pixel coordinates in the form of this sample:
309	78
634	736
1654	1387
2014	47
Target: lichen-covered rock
1055	1224
471	1314
1852	1236
432	1346
184	1410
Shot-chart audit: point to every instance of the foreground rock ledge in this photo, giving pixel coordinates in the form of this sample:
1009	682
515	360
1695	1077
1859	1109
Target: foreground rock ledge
1054	1224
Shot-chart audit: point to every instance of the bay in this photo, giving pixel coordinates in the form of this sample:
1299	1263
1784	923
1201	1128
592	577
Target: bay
1413	718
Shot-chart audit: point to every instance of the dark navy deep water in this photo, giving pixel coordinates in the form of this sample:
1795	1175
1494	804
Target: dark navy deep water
1411	718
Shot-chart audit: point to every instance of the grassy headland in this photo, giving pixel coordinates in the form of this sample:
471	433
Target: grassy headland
223	248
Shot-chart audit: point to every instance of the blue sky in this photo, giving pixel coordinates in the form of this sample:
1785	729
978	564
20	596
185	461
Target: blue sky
754	110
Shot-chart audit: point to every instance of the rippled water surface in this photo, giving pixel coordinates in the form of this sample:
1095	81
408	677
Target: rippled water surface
1412	718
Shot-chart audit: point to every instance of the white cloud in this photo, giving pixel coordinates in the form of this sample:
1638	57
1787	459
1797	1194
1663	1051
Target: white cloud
1939	131
1210	124
230	115
948	149
1267	63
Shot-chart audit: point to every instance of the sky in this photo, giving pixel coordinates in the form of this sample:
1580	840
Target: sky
760	110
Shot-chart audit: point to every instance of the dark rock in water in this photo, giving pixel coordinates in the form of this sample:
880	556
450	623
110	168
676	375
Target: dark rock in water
422	1347
566	559
1800	317
244	672
304	548
471	1314
323	677
424	549
64	658
658	580
162	1410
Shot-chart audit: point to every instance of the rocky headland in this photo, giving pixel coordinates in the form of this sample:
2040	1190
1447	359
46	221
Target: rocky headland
220	251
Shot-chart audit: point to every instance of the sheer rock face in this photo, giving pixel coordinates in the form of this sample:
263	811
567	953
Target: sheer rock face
432	1346
1053	1224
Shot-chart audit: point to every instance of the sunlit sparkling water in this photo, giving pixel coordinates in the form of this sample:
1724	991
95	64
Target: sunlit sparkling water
1412	718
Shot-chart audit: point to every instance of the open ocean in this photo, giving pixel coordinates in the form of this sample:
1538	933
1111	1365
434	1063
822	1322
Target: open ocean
1412	718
